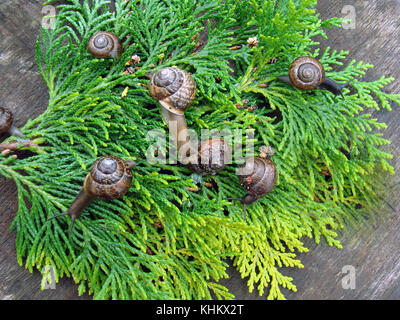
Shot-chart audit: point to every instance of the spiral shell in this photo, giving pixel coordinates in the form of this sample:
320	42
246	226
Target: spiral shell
213	155
6	120
105	45
174	88
262	177
109	178
306	73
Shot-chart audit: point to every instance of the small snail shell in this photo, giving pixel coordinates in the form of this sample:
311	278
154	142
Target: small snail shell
260	177
6	123
213	155
306	73
109	178
105	45
173	87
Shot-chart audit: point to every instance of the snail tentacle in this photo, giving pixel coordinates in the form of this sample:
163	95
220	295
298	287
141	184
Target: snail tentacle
16	132
244	206
332	86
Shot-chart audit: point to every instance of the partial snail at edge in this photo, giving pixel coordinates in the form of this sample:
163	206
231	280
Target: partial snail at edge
109	178
258	176
105	45
307	73
6	123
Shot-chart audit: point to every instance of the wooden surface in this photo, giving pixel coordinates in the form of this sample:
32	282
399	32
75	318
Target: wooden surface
373	249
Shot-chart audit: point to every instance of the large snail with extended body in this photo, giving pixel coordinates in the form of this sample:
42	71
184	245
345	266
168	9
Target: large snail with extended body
175	90
105	45
109	178
6	123
258	176
307	73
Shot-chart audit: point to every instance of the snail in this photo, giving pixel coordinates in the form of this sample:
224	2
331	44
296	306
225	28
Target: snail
307	73
109	178
175	89
258	176
105	45
213	155
6	123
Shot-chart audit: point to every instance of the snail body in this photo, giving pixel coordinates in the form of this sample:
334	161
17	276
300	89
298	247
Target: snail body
6	123
307	73
213	155
258	176
109	178
105	45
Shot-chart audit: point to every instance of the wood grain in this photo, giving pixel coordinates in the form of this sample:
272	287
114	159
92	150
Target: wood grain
373	249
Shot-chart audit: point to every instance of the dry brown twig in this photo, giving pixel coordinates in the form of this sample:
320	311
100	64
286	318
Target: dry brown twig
7	147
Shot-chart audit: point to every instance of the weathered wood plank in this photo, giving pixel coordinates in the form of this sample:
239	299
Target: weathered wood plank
373	249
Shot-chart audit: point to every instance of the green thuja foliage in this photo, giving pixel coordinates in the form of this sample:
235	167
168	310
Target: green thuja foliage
163	240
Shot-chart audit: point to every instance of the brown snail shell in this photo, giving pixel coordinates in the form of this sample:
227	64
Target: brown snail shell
109	178
6	123
213	155
174	88
306	73
258	178
105	45
261	180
